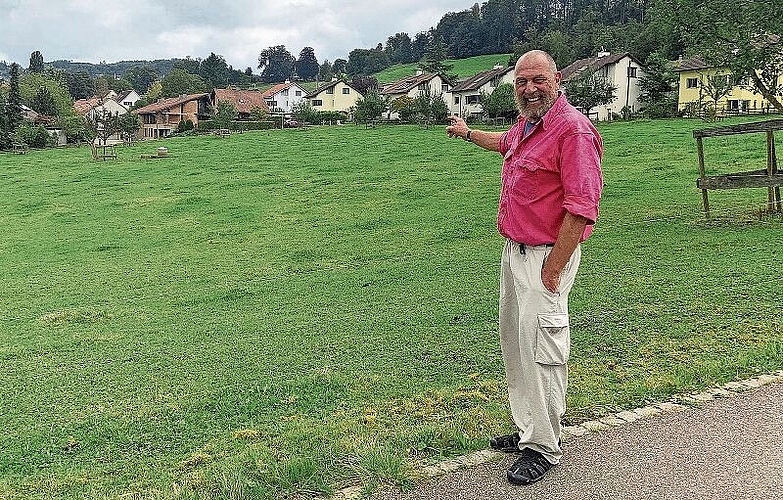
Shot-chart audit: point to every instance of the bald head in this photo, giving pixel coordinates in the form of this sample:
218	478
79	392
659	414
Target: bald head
535	57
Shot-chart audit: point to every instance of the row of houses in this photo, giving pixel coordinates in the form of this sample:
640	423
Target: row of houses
462	98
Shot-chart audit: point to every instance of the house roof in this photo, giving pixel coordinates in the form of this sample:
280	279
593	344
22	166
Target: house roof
577	68
277	88
478	80
690	64
244	101
83	106
121	97
169	103
406	84
327	86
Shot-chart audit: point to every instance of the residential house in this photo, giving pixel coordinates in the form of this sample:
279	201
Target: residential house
336	95
282	97
243	101
93	106
700	83
128	98
466	95
162	118
621	70
413	86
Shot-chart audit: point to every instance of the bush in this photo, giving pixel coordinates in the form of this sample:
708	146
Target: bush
35	136
185	125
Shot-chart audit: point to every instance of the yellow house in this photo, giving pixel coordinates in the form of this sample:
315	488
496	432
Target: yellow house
336	95
695	90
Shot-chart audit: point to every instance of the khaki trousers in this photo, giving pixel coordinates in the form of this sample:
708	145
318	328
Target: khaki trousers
535	340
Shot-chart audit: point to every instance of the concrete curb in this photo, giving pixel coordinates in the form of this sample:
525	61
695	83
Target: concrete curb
675	404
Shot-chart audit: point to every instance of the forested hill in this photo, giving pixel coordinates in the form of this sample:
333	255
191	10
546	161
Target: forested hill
567	29
161	67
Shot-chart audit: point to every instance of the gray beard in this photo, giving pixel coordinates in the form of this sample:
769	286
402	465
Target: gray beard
531	115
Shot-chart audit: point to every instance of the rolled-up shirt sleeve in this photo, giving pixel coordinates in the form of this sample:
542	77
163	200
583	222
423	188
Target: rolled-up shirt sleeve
580	173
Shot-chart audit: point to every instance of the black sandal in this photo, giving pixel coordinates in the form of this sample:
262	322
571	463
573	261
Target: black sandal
529	468
507	444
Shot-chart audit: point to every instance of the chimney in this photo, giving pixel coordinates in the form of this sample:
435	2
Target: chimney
603	53
419	72
498	66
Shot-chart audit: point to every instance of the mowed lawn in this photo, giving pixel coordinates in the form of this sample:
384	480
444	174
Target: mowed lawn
281	314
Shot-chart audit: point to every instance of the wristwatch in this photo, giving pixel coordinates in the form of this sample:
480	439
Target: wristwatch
467	136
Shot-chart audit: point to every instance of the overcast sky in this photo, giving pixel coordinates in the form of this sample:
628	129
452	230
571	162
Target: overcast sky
98	30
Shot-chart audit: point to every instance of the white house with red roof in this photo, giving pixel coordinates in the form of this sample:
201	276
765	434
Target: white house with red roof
282	97
466	95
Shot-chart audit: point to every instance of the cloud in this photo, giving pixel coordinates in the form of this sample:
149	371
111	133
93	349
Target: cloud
90	30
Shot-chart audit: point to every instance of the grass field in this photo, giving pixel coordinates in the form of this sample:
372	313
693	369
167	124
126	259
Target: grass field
463	68
279	314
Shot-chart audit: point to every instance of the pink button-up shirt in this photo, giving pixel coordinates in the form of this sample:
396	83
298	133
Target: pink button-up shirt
554	169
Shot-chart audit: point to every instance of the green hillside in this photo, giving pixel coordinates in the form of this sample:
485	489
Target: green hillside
462	67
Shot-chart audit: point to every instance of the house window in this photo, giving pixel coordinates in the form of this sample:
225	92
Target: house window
346	90
495	82
272	104
472	99
298	93
692	83
631	72
330	91
444	88
422	87
285	92
456	99
317	102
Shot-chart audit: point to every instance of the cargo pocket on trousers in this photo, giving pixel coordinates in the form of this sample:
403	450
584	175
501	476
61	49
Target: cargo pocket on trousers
553	339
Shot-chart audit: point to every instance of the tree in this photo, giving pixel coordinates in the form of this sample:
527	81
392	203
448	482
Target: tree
128	125
430	107
13	107
36	62
30	85
588	91
80	85
370	107
364	84
714	87
325	71
366	61
338	67
276	64
399	49
214	71
179	82
44	103
103	124
189	65
501	102
307	65
741	35
405	107
224	114
658	88
141	77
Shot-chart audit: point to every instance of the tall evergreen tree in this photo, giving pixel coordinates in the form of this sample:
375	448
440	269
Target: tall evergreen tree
214	71
36	62
13	108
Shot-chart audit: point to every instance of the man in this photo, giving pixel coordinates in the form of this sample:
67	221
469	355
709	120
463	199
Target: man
551	185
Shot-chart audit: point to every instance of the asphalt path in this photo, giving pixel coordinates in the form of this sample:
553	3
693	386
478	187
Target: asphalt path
726	449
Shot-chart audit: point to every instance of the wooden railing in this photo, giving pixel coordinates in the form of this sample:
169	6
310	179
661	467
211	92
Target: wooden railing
768	177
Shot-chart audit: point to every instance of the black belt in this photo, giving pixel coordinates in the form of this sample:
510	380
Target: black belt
522	246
